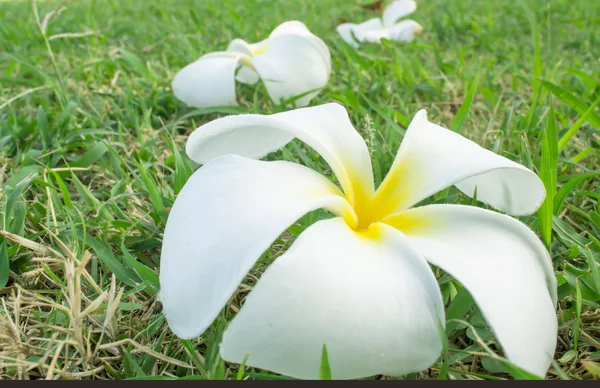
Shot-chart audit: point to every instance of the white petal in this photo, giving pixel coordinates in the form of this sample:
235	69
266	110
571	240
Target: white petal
432	158
503	265
207	82
293	65
374	303
228	213
371	24
405	31
295	27
371	31
346	31
245	74
397	10
242	47
326	128
373	35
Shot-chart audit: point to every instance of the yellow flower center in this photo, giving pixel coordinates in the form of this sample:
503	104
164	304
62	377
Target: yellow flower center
384	206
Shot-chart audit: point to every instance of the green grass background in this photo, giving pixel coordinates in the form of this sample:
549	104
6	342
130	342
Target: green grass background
91	160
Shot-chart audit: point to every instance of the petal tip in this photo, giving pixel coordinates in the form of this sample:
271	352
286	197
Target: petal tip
421	115
418	30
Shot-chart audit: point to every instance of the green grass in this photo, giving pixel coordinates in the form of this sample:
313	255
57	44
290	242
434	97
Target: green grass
92	158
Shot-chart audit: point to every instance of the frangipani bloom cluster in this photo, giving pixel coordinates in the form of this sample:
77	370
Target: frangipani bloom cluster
373	30
291	62
359	282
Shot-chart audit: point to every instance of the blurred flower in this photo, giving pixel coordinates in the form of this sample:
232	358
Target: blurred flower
359	282
373	30
291	62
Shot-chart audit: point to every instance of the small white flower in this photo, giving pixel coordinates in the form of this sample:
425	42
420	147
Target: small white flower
373	30
291	62
359	282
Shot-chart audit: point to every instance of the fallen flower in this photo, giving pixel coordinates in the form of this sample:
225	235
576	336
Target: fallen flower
291	62
359	282
373	30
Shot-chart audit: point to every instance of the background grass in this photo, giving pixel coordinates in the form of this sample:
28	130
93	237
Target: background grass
91	160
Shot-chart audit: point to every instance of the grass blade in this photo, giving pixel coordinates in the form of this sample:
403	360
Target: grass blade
568	187
548	174
574	102
324	369
461	115
4	265
459	307
573	130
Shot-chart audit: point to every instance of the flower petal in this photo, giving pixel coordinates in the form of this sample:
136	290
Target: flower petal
207	82
326	128
405	31
372	35
245	74
432	158
295	27
228	213
242	47
397	10
371	31
346	31
294	65
373	301
504	266
371	24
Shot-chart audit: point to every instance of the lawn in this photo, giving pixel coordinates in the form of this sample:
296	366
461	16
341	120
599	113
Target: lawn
92	158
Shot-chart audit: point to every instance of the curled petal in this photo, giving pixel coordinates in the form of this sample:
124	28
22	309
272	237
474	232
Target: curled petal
228	213
374	303
504	266
397	10
208	82
326	128
292	66
432	158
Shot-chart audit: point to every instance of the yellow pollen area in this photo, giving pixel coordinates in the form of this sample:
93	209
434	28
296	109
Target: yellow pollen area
371	209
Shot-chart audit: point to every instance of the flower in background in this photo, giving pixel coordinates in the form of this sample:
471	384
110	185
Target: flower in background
373	30
359	282
291	62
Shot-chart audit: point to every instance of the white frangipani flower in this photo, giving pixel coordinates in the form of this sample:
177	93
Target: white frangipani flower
373	30
359	282
291	62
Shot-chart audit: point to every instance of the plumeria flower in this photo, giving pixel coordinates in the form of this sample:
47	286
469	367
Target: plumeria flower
291	62
373	30
359	282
